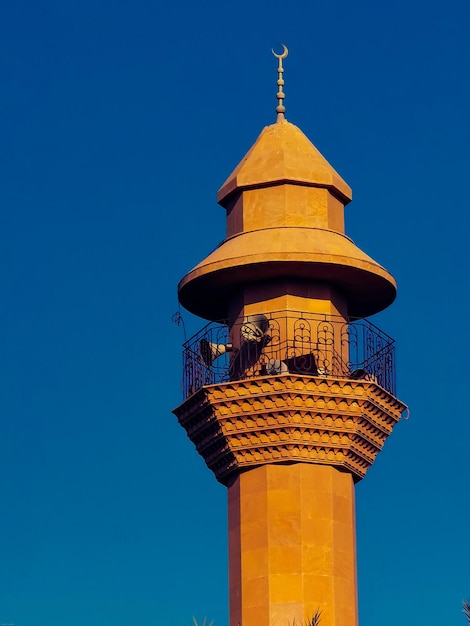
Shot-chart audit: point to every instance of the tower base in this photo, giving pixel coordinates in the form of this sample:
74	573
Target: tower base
292	546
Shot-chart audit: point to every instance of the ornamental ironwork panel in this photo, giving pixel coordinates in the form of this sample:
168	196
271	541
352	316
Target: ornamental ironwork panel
295	343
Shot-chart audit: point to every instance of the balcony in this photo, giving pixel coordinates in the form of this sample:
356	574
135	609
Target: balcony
288	342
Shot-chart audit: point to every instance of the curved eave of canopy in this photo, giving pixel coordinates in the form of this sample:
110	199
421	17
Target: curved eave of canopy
309	254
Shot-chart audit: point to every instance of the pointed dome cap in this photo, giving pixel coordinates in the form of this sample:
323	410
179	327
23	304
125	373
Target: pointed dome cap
283	154
274	231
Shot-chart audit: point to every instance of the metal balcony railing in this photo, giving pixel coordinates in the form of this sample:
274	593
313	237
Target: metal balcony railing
296	343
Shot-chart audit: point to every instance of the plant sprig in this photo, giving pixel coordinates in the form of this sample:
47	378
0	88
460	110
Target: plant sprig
466	609
204	622
311	621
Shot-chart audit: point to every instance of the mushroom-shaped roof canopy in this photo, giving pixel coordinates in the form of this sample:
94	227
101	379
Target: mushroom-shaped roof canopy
309	254
283	154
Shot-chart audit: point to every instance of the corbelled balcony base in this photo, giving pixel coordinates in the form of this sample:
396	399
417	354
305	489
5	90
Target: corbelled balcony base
289	419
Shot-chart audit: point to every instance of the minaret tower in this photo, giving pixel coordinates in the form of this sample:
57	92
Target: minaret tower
289	392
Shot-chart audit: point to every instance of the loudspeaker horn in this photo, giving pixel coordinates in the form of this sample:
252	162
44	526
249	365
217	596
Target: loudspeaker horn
255	327
275	367
211	351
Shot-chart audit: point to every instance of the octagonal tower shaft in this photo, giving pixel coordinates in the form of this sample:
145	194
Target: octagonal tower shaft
288	443
292	545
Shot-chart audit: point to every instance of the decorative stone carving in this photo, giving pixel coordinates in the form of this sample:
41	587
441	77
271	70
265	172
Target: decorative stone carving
288	419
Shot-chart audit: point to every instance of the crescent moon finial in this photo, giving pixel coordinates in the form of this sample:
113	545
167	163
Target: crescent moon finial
280	109
284	53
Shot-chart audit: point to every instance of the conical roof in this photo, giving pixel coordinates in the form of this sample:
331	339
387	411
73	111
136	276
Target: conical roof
283	154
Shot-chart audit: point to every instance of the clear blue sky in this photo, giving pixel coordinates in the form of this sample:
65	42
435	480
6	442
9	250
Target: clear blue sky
119	121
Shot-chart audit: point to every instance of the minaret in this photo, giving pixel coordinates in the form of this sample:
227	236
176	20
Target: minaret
289	390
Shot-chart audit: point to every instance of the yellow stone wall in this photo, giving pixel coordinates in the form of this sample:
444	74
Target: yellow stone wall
292	546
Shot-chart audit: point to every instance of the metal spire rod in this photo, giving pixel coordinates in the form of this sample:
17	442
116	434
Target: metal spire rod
280	109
